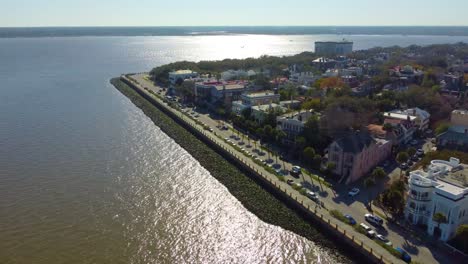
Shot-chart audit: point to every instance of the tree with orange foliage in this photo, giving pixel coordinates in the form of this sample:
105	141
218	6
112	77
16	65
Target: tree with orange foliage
331	83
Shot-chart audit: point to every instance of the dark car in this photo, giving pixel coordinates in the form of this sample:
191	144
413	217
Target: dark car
404	255
410	163
415	158
404	166
420	152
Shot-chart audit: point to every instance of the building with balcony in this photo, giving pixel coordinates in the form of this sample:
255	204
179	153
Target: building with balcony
293	124
442	188
260	112
420	117
402	126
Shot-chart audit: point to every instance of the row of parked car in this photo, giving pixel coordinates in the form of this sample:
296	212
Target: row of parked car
371	233
415	158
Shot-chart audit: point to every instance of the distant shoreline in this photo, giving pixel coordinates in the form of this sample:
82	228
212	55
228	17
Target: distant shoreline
33	32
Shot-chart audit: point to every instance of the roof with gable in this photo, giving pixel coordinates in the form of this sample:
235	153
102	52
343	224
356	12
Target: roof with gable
355	142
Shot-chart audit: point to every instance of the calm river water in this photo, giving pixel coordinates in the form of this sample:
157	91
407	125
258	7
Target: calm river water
86	177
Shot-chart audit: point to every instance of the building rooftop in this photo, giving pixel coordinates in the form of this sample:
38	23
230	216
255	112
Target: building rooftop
460	112
455	135
399	116
230	87
355	142
455	173
413	112
303	116
376	130
266	107
261	94
182	72
334	42
450	178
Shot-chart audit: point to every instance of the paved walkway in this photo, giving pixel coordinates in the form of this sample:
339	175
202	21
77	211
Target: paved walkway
335	198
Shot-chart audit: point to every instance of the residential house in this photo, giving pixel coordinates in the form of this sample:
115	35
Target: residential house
293	124
254	99
306	78
378	131
260	112
237	74
442	188
324	63
406	75
452	82
420	117
351	71
223	91
357	154
456	137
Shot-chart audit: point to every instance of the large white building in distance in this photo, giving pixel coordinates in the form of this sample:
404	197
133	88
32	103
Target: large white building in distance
182	75
331	48
443	188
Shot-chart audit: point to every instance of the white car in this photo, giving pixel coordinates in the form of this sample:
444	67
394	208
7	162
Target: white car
354	192
296	170
373	219
369	231
384	239
313	196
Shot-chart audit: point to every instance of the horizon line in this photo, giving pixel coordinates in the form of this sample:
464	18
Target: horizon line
175	26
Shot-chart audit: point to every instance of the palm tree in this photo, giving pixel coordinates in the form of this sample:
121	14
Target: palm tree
462	235
401	158
378	173
368	184
439	218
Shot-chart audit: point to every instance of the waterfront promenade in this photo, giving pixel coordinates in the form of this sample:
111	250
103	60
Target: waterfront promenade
357	240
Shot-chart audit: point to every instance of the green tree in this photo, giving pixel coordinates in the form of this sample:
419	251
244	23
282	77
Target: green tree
186	90
331	166
387	127
378	173
368	184
317	162
402	157
411	151
309	154
313	103
393	199
312	133
439	218
247	113
462	236
441	128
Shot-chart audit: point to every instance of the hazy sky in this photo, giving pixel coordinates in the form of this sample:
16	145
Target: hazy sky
238	12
